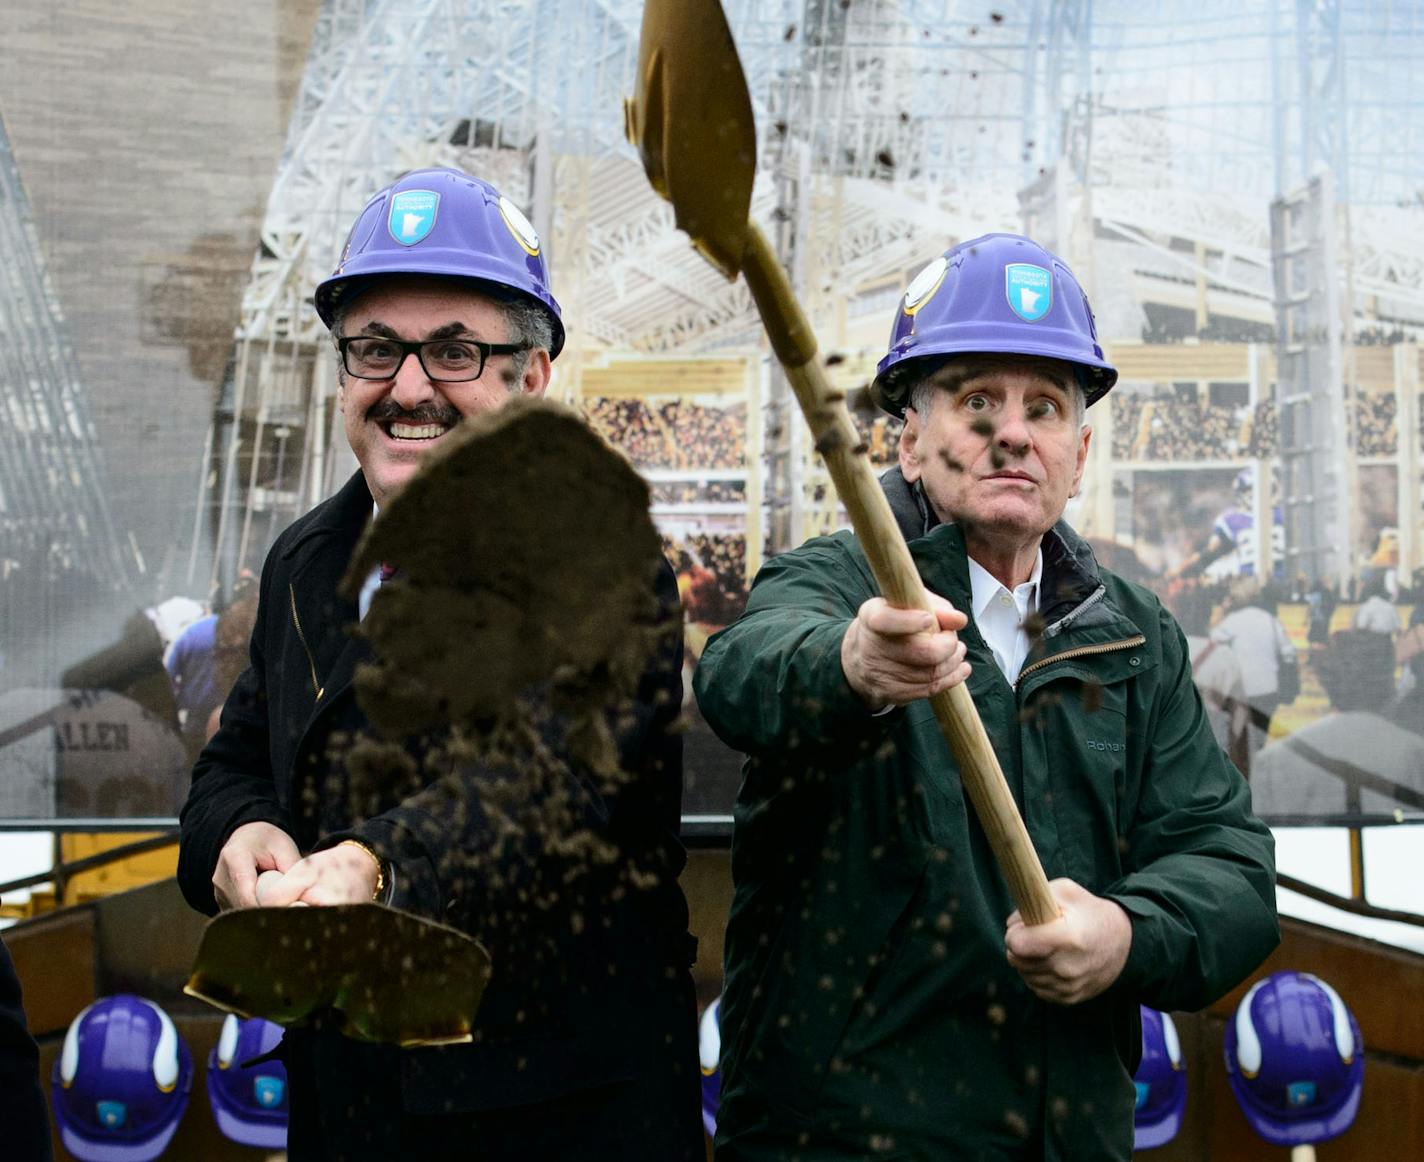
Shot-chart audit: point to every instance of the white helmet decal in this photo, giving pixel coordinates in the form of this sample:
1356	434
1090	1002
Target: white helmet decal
227	1042
923	286
69	1055
520	226
165	1054
1248	1044
709	1038
1171	1042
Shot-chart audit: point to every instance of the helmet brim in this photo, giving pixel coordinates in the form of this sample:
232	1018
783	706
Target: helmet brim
108	1150
1303	1131
245	1132
1157	1133
890	389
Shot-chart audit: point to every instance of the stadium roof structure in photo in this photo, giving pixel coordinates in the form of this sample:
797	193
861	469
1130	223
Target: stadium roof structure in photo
1178	121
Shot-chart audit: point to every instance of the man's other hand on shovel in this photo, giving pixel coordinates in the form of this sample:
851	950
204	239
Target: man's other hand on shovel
344	874
1075	957
893	656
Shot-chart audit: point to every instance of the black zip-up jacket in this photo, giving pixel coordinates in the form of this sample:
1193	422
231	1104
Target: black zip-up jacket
588	990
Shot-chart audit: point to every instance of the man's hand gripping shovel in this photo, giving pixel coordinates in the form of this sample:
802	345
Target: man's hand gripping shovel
691	119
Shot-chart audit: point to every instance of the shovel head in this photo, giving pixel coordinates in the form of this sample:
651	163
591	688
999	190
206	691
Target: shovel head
691	119
372	972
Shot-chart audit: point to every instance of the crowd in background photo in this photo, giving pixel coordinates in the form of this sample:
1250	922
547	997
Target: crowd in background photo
675	434
1166	424
1375	431
677	492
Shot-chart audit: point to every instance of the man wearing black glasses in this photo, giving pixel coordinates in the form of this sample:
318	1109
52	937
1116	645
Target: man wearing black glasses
585	1043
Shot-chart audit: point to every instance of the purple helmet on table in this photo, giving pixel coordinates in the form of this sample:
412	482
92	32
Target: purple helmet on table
121	1082
445	224
709	1049
249	1100
1161	1081
1295	1059
1001	293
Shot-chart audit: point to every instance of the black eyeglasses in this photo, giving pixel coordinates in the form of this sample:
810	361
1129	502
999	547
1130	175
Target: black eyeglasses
444	360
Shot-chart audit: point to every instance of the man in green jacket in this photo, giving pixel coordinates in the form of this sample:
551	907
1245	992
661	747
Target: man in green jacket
883	999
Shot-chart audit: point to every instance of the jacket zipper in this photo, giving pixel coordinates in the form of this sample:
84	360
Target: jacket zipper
297	621
1083	651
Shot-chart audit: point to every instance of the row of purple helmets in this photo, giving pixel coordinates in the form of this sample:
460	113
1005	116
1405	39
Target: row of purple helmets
1294	1058
121	1083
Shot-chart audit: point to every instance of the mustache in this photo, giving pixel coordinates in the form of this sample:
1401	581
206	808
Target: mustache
387	410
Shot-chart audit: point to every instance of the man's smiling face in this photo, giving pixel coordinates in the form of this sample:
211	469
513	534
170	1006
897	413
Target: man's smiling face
393	423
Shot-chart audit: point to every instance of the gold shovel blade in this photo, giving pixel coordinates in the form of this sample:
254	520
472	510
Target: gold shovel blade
380	975
691	119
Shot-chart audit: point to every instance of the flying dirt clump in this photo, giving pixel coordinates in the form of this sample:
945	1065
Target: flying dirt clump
510	644
526	557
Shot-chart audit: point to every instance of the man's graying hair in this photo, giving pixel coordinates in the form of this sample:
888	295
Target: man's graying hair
923	391
529	325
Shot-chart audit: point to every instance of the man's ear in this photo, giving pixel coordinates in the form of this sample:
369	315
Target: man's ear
909	437
1085	435
538	369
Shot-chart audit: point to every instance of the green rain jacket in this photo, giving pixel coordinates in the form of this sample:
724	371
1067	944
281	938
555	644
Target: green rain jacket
869	1010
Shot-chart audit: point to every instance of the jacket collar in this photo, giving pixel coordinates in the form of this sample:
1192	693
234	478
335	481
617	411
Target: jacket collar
908	504
1072	584
344	514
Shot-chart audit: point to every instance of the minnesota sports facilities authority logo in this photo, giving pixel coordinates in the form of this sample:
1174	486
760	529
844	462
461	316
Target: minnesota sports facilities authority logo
1029	290
412	215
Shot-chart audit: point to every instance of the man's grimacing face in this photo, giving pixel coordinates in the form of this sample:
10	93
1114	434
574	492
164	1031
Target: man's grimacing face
392	424
1001	449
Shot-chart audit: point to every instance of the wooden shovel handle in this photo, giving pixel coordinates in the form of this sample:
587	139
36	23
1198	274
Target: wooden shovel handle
845	454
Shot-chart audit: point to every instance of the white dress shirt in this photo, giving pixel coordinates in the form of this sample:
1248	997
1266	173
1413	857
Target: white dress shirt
1000	614
373	581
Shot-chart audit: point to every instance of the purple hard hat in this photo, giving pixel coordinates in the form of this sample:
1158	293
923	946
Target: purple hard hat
121	1082
1295	1059
1001	293
709	1049
249	1100
1161	1081
447	224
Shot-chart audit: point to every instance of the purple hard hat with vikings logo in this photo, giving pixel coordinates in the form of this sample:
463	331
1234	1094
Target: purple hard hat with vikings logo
1161	1081
445	224
121	1082
249	1097
1003	294
1295	1059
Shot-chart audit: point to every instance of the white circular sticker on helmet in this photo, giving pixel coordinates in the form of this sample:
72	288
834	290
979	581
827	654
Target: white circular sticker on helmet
520	226
923	286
